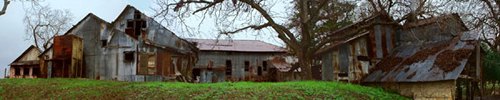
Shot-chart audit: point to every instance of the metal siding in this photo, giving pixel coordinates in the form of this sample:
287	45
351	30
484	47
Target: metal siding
90	31
362	51
327	67
378	42
237	61
388	37
335	62
344	62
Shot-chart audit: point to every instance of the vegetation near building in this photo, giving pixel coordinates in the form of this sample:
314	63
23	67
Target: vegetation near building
56	88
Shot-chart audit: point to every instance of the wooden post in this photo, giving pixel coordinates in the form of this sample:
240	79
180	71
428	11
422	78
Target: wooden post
479	69
5	73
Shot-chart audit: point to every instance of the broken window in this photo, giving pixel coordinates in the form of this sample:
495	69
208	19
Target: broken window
129	56
137	15
104	43
134	27
259	70
17	71
247	65
229	68
36	71
130	24
147	64
26	71
264	65
143	24
152	64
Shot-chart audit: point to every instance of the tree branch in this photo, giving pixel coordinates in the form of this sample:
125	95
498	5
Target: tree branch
4	8
289	39
208	6
255	27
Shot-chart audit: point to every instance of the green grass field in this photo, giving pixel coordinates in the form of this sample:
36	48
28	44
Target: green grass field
95	89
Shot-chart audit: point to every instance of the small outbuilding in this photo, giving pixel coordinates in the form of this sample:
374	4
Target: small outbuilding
233	60
26	65
439	58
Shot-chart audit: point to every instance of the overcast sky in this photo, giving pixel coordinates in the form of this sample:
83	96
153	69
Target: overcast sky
13	37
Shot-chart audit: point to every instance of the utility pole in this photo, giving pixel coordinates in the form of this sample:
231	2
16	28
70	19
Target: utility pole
5	73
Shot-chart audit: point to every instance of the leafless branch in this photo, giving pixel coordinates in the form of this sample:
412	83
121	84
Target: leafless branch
4	8
43	23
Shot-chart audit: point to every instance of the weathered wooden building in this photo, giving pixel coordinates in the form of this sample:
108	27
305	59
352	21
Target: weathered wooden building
439	58
64	58
133	48
233	60
26	65
358	46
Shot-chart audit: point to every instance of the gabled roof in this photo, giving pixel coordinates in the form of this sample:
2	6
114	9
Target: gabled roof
129	7
90	15
236	45
24	53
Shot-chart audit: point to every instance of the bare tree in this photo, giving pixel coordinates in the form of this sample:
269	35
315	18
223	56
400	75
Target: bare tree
491	24
43	23
410	10
303	34
4	8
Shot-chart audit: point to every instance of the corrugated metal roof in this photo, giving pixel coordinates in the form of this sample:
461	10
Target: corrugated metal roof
236	45
444	60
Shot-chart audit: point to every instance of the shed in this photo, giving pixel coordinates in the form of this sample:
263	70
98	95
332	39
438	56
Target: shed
26	65
240	60
356	48
431	66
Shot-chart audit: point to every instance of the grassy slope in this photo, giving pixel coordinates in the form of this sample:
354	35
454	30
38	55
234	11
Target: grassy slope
89	89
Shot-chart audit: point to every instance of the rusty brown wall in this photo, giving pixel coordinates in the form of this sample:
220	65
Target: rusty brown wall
68	56
165	63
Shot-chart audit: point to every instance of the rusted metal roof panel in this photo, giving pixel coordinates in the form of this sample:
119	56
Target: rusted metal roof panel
236	45
444	60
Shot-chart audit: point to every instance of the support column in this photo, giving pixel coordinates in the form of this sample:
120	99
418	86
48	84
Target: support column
22	72
30	75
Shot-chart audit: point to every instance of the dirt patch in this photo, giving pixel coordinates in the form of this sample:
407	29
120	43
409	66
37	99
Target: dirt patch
423	54
388	63
449	59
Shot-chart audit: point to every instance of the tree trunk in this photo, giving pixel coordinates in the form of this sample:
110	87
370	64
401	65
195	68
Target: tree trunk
36	41
305	62
306	70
